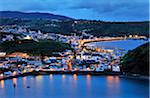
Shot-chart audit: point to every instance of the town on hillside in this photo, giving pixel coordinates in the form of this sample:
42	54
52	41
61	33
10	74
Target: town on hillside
80	57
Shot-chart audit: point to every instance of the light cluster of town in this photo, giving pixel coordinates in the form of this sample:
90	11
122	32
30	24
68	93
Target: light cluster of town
86	57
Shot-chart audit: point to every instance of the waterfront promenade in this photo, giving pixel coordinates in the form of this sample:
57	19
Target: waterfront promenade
108	39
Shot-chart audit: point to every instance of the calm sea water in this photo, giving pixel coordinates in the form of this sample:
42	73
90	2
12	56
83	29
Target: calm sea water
74	86
124	44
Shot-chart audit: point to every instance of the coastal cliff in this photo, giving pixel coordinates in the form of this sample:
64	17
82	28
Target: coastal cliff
136	61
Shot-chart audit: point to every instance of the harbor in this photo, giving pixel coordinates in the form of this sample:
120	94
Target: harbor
85	58
77	71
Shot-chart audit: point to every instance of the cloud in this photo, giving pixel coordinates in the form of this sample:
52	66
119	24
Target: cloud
125	10
107	6
121	9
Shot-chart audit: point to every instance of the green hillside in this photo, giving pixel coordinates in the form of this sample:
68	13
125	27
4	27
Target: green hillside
97	28
45	47
137	60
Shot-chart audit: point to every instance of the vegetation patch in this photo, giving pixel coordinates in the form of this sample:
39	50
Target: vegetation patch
44	47
137	60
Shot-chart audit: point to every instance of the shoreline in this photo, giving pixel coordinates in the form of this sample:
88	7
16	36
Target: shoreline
140	77
111	40
36	73
102	41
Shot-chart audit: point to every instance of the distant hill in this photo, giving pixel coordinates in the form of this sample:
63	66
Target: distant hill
42	21
35	15
137	60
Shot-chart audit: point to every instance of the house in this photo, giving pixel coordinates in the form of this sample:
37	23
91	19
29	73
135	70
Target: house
27	37
8	73
18	54
100	67
116	68
51	60
2	54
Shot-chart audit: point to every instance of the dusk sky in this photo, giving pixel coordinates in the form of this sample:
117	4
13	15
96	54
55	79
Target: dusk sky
109	10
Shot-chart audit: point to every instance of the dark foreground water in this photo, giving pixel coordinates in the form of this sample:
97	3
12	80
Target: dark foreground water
74	86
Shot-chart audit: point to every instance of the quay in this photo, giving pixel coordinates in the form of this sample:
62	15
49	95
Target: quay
35	73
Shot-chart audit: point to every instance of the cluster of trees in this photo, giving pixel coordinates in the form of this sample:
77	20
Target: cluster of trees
115	28
44	47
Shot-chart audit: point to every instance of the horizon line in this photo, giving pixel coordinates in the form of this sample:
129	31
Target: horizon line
28	12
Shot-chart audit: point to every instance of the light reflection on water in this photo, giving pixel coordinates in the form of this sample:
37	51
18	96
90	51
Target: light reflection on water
51	76
39	77
73	86
24	79
113	80
88	83
75	76
74	82
2	84
14	81
63	77
113	85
